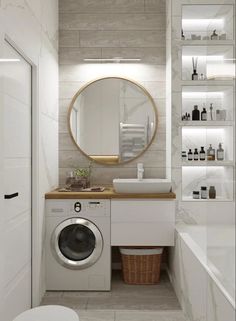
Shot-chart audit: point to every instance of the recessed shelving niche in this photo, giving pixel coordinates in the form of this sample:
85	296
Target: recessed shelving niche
214	86
222	98
195	137
213	62
219	176
201	20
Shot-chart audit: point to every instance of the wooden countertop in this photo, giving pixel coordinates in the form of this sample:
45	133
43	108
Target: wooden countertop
108	193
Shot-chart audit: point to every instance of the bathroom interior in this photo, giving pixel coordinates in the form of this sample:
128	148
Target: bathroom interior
117	123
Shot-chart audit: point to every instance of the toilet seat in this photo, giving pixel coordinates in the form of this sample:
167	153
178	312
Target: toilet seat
48	313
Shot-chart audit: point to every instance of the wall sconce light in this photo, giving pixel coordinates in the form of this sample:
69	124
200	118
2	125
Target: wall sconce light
115	59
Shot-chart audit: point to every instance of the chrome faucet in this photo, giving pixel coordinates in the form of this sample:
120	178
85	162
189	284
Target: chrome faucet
140	171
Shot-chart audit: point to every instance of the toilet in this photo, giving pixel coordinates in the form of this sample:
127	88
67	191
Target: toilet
48	313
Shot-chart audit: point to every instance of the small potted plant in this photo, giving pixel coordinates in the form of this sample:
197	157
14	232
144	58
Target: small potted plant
82	177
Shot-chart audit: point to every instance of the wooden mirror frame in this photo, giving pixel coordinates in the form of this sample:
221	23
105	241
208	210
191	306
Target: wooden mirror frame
111	159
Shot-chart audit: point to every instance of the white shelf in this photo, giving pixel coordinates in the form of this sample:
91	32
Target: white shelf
208	82
207	123
217	199
190	42
207	163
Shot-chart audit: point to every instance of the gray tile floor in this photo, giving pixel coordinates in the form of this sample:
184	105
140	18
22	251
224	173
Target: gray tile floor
123	303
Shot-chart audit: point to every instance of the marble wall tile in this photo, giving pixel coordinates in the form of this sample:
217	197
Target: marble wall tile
101	6
75	55
105	175
131	38
151	158
68	38
76	21
155	6
132	29
154	56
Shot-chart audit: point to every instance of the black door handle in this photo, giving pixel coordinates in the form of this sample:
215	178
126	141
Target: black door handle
9	196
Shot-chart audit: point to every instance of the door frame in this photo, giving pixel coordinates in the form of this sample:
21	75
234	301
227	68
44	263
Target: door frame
35	223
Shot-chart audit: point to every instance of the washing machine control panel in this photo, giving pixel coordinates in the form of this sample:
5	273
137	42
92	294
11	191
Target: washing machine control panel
91	207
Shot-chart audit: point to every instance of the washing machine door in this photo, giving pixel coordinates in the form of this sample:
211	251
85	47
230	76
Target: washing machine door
77	243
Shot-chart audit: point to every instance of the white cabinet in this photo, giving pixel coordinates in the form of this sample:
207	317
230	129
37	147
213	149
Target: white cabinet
142	222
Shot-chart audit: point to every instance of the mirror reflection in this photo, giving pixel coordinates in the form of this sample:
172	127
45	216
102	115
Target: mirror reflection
112	120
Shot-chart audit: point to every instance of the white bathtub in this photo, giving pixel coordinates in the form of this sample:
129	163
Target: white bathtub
202	269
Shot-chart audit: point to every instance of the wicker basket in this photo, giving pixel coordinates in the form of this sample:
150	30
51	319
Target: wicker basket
141	265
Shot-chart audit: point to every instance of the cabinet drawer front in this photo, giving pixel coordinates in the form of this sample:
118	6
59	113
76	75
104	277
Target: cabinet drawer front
142	222
134	210
142	234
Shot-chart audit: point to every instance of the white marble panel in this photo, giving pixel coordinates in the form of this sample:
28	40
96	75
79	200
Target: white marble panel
48	155
49	21
32	26
218	307
68	89
20	243
48	80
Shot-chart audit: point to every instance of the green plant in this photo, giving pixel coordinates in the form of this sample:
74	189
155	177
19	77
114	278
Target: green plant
83	172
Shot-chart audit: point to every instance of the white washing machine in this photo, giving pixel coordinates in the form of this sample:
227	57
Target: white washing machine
78	246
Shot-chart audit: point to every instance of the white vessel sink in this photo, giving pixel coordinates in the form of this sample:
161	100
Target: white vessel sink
146	185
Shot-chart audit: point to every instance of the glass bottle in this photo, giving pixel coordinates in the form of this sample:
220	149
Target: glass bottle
184	156
195	113
70	179
190	155
211	153
194	75
195	154
220	153
204	192
204	114
212	192
202	154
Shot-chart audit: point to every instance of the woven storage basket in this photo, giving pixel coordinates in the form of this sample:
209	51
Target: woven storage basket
141	265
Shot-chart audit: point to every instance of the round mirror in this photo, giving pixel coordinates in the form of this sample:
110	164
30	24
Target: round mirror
112	120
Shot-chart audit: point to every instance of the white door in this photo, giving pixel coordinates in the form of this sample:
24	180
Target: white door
15	111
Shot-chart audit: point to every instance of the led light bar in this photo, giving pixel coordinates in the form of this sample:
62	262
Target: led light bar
9	60
115	59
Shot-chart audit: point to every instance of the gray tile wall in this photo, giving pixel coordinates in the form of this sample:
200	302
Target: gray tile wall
108	28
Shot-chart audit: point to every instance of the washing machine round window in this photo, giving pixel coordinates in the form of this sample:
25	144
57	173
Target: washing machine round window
77	243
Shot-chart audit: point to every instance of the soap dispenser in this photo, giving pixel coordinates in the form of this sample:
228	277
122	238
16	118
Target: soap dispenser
140	171
220	153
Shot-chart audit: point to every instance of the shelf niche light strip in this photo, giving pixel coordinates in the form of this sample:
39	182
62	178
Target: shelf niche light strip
115	59
202	94
9	60
203	23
